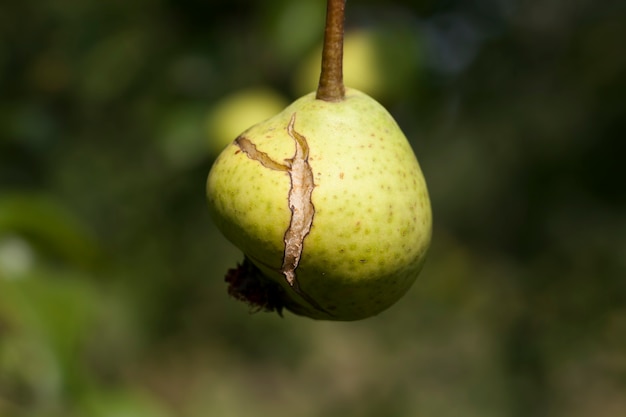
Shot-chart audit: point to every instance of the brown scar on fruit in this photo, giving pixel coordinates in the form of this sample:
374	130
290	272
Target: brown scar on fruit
299	198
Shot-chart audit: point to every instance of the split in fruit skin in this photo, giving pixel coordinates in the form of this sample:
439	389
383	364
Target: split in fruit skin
300	204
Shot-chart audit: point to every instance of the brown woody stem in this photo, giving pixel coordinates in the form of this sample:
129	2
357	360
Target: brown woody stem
330	87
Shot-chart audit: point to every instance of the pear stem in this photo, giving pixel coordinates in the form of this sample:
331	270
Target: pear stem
330	87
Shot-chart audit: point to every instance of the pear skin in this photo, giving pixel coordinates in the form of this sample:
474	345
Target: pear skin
327	200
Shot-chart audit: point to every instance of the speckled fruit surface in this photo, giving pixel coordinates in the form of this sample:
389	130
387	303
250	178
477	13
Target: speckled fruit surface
371	222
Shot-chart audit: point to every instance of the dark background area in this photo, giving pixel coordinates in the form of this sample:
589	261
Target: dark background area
112	300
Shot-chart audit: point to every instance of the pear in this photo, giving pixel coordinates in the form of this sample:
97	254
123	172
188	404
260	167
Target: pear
329	205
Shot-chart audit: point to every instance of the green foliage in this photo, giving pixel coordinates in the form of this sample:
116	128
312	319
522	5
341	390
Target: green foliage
112	300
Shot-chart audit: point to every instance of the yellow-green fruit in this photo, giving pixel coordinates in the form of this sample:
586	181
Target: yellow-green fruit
328	201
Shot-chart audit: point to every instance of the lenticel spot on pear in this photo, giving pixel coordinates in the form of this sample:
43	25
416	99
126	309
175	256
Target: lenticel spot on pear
326	200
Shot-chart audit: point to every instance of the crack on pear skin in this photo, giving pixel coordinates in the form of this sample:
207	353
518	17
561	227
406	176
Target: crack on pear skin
252	152
300	203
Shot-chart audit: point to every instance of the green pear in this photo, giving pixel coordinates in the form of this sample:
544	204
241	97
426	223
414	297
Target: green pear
329	205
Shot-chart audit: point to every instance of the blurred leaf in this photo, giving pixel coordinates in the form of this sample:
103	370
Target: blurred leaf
48	225
31	376
181	135
295	26
112	65
125	402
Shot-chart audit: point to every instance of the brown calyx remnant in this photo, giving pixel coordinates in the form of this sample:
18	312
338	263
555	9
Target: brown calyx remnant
300	205
247	283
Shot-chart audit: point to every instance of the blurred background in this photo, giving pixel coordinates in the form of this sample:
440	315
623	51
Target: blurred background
112	299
